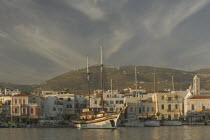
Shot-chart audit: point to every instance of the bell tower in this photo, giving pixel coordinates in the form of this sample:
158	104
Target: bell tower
196	86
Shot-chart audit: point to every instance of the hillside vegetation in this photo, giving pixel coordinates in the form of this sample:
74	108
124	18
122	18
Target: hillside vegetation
123	77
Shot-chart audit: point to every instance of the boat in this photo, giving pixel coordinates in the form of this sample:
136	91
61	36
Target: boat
98	120
101	120
152	123
133	123
171	123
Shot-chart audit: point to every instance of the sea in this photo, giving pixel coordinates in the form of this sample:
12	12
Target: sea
121	133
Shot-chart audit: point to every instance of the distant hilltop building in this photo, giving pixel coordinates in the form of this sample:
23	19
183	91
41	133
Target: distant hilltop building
11	92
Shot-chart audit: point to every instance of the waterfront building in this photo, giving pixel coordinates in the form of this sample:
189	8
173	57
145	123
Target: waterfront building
134	101
113	101
58	105
22	110
197	101
5	109
170	105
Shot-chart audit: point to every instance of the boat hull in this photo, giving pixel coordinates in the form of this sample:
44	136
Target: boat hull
134	124
152	123
106	124
171	123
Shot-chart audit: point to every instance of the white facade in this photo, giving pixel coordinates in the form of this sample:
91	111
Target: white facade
56	105
113	100
11	92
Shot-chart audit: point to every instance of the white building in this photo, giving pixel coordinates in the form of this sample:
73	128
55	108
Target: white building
11	92
113	101
59	104
197	100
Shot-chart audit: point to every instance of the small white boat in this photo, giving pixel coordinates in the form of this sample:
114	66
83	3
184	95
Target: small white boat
134	123
152	123
171	123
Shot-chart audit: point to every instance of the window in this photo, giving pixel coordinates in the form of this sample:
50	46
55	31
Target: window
147	109
176	106
24	111
162	97
131	109
140	110
152	108
95	102
54	109
69	106
111	109
121	102
116	102
143	109
24	101
61	109
32	110
16	110
69	99
111	102
169	98
162	106
176	116
169	116
15	101
107	96
192	107
169	107
203	107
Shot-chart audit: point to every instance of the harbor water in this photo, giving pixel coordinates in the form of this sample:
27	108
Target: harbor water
139	133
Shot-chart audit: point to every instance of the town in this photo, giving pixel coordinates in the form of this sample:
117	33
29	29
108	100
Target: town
61	108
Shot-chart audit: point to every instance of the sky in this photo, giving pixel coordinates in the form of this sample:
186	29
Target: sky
40	39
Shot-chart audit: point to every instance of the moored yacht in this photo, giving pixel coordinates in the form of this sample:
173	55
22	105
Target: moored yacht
98	120
171	123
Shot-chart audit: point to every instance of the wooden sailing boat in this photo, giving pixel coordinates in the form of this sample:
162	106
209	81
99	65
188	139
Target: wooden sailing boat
100	120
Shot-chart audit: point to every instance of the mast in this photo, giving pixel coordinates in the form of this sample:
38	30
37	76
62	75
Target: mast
136	79
88	79
102	85
111	86
154	82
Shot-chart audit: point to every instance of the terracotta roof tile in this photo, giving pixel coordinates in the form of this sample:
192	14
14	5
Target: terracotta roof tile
200	97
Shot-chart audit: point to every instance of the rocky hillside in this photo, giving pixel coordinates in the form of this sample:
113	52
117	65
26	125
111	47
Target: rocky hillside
123	77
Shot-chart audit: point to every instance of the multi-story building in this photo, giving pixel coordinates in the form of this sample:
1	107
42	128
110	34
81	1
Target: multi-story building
134	101
22	109
113	101
170	105
58	105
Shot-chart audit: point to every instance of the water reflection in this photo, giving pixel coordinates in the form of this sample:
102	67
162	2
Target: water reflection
141	133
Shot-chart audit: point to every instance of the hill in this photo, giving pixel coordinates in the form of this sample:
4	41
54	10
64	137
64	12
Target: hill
123	77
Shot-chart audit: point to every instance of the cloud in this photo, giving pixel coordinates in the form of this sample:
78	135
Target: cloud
165	18
50	37
88	7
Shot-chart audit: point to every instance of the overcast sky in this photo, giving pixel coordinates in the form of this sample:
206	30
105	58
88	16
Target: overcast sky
40	39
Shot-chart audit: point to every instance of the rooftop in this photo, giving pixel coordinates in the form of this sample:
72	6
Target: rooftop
200	97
